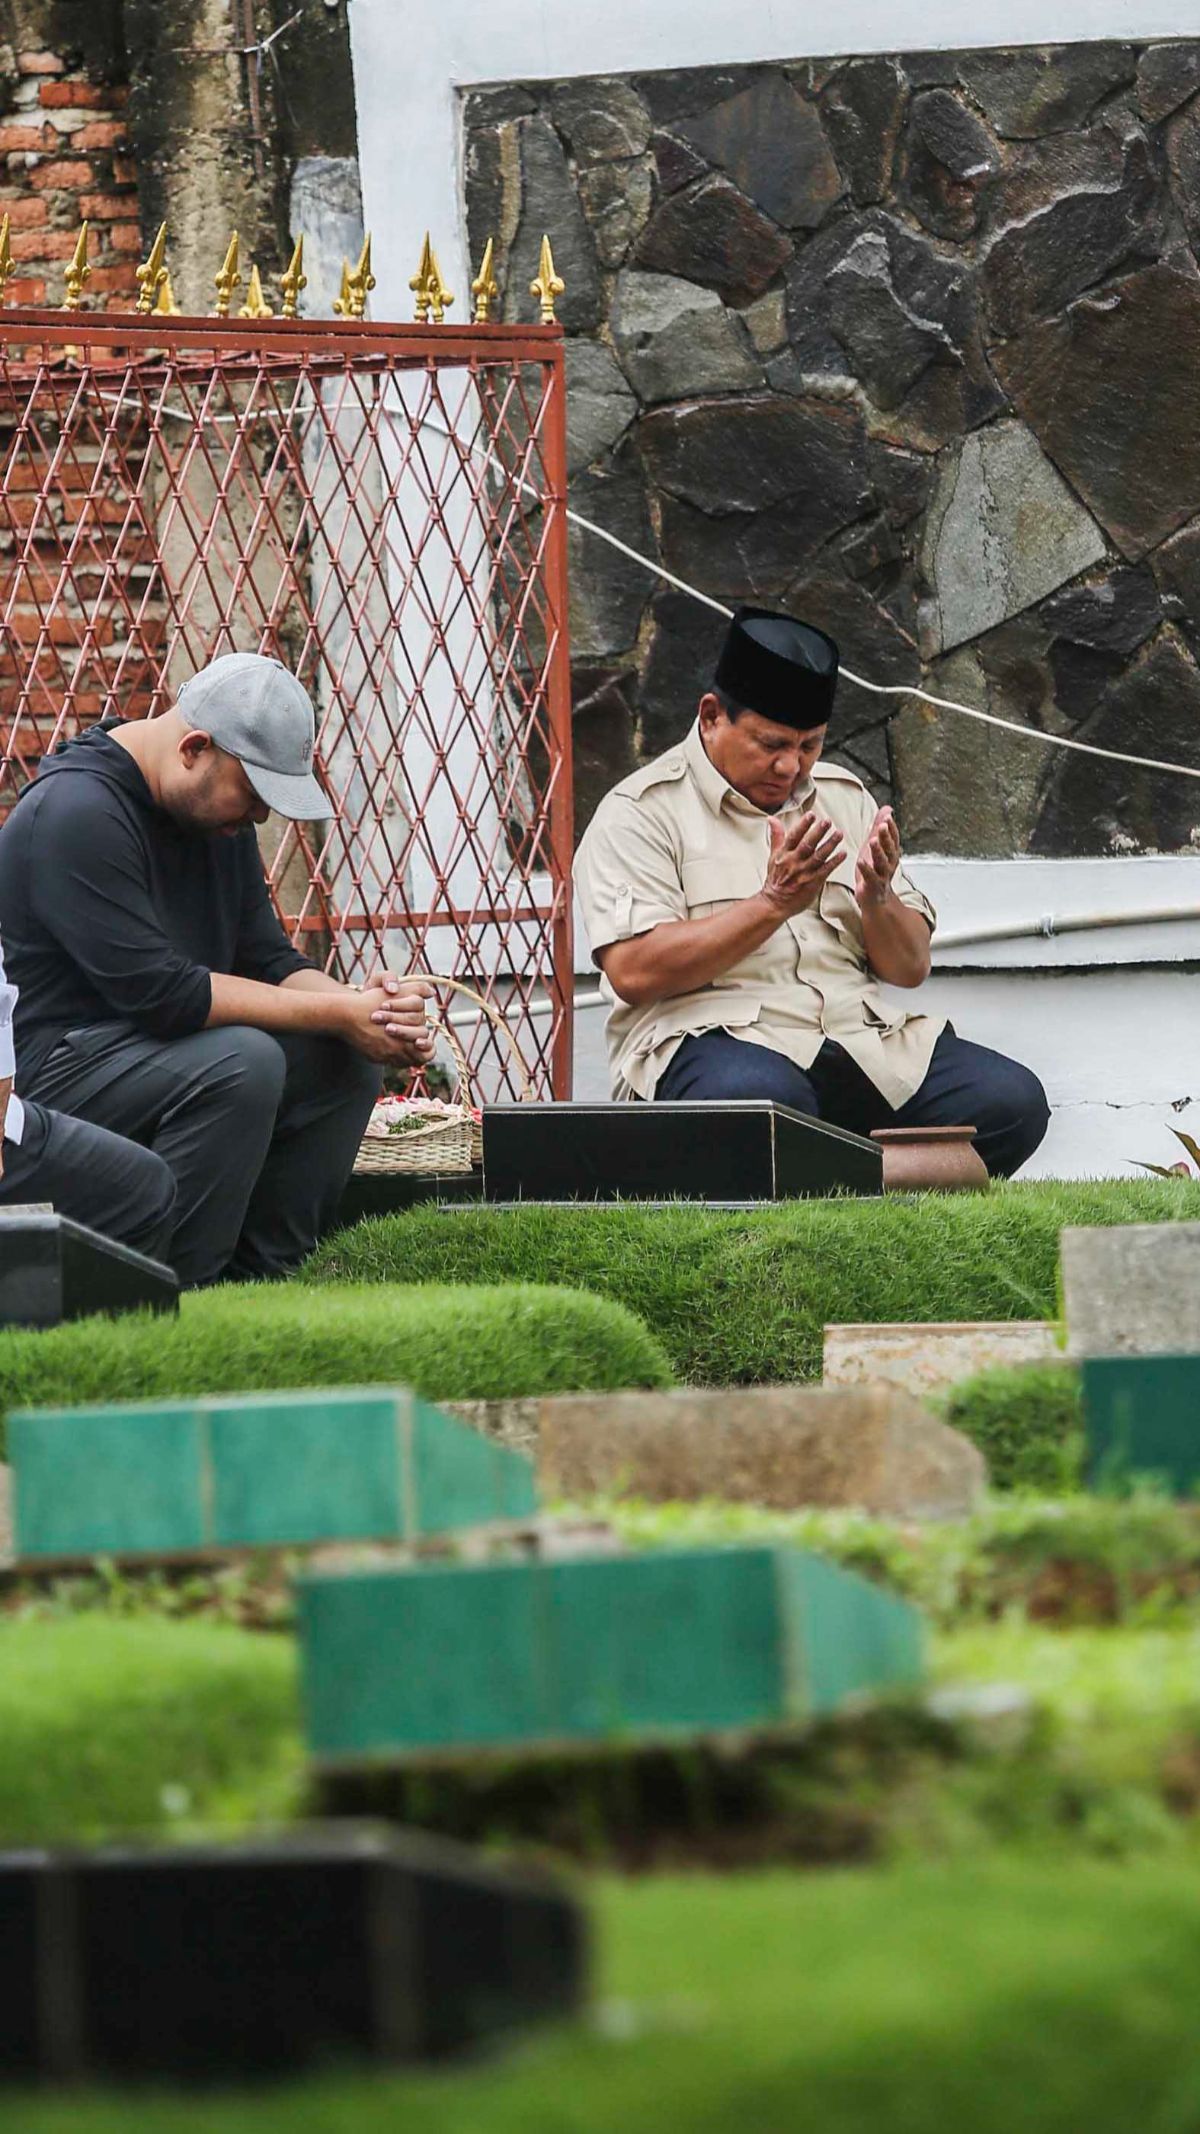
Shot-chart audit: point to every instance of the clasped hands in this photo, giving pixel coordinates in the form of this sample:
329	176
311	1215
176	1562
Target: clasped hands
390	1024
802	859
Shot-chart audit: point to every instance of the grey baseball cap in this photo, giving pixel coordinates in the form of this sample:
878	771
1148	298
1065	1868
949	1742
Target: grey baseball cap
254	709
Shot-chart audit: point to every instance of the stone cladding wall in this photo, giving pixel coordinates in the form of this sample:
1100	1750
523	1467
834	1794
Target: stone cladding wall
910	345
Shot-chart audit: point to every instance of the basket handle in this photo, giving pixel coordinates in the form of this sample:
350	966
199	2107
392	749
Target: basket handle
498	1023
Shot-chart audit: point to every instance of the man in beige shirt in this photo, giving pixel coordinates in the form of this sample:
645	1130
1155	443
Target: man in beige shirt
743	899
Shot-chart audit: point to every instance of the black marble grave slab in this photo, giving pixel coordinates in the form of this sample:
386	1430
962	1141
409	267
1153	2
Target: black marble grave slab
332	1944
52	1269
744	1152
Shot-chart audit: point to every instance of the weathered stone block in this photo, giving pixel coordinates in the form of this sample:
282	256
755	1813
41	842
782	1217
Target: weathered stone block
1108	390
949	162
676	339
608	590
863	107
601	119
771	142
874	1448
1132	1290
715	236
1090	809
927	1359
1030	91
617	199
1046	258
600	405
265	1471
1003	531
755	453
1167	76
549	202
668	1644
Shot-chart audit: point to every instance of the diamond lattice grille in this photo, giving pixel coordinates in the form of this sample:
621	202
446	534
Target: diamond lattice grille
383	511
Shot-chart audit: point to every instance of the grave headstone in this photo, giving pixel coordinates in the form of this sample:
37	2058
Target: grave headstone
873	1448
266	1957
52	1269
667	1645
1132	1290
1142	1422
924	1359
735	1152
271	1469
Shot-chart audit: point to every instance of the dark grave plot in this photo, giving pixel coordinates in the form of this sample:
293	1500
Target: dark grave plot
1142	1422
52	1269
670	1645
371	1193
737	1153
370	1463
326	1946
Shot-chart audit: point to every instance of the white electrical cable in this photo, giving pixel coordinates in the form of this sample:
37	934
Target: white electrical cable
878	689
898	689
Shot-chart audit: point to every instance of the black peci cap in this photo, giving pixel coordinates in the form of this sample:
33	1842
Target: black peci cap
780	668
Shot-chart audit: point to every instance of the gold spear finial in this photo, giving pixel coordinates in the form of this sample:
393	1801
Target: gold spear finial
8	265
433	297
228	279
546	285
256	305
293	282
357	284
78	272
153	272
164	306
485	288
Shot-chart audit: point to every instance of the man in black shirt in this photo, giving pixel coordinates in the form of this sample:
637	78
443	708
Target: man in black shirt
158	994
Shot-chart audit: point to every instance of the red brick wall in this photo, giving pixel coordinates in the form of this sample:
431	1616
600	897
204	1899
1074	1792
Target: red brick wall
66	158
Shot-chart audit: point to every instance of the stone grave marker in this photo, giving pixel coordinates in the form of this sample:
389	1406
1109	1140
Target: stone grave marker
265	1957
1132	1290
1142	1421
870	1448
263	1470
669	1644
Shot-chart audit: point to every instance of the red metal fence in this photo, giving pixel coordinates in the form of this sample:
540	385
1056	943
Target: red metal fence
381	507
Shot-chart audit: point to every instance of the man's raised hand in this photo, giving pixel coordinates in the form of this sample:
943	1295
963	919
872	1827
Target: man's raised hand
878	859
800	862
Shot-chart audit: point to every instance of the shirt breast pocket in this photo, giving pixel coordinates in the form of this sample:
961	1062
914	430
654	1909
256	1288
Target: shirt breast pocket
712	882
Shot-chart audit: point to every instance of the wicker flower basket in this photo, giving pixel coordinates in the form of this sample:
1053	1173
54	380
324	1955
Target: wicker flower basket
455	1141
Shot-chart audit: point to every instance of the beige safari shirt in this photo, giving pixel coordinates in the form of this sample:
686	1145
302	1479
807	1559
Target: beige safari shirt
675	841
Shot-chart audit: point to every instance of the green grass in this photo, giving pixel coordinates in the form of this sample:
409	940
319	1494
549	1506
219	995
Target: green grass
1057	1999
142	1725
449	1343
1078	1560
742	1299
1027	1422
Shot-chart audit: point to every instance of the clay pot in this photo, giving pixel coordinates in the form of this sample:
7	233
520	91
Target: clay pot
931	1159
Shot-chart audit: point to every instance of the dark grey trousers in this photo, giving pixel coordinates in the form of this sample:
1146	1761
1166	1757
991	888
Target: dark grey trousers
260	1133
97	1178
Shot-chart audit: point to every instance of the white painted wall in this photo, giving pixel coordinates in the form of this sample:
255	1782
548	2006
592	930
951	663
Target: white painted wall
1111	1020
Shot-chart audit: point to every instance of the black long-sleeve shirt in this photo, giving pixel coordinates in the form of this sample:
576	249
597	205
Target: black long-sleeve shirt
112	911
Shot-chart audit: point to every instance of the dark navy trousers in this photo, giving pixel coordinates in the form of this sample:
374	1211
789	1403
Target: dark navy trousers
966	1085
